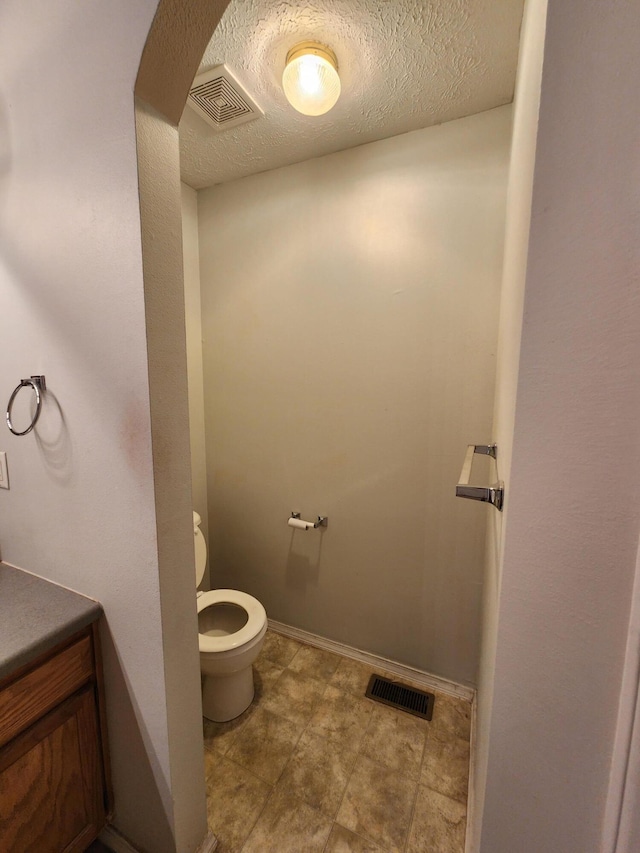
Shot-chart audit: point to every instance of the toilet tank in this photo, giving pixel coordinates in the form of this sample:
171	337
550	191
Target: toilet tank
200	549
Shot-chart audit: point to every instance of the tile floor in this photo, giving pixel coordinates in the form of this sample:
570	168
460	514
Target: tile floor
313	765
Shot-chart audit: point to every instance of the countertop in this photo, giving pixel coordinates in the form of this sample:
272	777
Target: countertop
36	615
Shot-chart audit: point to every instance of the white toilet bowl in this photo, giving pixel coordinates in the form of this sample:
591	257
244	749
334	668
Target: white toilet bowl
231	630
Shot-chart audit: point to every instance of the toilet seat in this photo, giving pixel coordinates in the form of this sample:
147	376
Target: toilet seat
256	621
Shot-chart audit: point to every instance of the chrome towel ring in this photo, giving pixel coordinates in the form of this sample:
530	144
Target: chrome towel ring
38	384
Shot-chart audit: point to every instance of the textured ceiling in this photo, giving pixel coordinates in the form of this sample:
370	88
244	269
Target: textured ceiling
404	64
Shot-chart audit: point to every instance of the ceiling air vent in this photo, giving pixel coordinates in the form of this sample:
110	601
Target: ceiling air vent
220	100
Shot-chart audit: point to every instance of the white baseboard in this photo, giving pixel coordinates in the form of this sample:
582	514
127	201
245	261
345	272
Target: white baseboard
375	661
471	792
119	844
209	844
115	841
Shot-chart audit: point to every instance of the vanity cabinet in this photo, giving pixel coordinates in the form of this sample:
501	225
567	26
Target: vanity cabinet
54	779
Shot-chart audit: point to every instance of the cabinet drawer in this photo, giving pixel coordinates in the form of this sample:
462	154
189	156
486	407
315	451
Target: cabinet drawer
33	694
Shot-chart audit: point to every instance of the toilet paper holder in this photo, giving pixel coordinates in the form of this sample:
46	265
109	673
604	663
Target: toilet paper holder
322	521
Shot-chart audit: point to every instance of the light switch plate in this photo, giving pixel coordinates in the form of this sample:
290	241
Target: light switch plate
4	474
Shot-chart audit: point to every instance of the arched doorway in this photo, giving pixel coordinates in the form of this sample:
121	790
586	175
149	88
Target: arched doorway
174	48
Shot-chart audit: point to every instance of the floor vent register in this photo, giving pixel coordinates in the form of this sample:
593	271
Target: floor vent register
416	702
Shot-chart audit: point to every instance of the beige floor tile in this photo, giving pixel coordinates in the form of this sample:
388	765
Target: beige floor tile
395	739
327	749
445	767
288	825
352	676
343	840
265	744
451	717
265	675
218	737
279	649
212	761
377	804
294	696
318	772
235	799
341	717
439	824
316	663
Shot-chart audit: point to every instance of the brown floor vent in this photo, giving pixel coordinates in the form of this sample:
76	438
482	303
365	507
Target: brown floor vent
416	702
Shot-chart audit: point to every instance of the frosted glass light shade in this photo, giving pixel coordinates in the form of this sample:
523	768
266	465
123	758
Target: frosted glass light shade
310	79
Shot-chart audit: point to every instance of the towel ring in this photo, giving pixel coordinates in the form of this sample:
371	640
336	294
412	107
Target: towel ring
38	384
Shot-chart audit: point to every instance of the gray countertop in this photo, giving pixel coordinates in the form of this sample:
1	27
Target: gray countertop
36	615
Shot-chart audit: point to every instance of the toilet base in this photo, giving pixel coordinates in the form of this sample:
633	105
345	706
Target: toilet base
225	697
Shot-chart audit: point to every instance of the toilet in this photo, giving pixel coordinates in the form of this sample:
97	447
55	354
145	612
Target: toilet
231	630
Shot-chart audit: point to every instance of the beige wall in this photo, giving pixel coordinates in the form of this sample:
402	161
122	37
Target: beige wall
525	126
160	209
80	508
82	505
350	308
571	537
193	328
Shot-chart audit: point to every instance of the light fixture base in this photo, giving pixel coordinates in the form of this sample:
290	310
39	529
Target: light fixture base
314	48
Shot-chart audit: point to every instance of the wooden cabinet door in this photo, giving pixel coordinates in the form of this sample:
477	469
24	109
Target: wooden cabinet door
51	789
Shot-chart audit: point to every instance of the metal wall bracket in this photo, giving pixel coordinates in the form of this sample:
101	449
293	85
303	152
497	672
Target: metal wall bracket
488	494
323	520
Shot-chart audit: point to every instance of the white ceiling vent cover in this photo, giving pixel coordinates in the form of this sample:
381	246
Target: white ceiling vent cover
220	100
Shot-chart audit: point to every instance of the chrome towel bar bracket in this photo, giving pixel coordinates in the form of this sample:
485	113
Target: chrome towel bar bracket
38	384
488	494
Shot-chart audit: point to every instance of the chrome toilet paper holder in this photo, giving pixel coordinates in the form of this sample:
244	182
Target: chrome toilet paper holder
322	521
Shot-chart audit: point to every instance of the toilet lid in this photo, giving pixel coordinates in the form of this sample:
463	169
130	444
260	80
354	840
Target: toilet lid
257	619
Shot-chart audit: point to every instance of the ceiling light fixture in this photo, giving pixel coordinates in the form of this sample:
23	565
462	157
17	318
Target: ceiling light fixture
310	79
